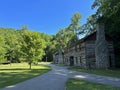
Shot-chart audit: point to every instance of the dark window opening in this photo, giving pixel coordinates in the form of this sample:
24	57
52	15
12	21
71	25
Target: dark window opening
110	61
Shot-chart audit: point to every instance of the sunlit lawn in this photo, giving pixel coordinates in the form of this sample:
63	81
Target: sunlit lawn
15	73
73	84
111	73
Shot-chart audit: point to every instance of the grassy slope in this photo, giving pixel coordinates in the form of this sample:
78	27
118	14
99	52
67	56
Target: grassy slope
15	73
73	84
111	73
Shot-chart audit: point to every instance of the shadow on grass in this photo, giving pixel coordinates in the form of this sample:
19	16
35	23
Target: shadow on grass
14	69
21	69
74	84
15	75
111	73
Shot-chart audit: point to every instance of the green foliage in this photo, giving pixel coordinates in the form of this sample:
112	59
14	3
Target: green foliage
90	25
21	45
25	45
69	35
12	43
7	42
2	49
106	7
33	47
49	50
75	24
64	37
108	12
111	18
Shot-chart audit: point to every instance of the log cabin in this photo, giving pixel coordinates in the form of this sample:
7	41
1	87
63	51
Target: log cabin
83	53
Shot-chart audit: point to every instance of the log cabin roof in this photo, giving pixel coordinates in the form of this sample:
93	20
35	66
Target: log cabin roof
88	37
82	39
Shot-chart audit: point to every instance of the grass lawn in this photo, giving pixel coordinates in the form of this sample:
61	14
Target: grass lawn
15	73
73	84
59	64
111	73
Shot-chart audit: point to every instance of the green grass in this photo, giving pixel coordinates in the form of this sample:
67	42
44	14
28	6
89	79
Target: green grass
111	73
73	84
16	73
59	64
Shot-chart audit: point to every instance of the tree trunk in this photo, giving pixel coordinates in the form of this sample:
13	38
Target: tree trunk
30	66
10	61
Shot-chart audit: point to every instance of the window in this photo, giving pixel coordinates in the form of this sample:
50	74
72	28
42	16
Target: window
79	47
76	60
110	61
76	48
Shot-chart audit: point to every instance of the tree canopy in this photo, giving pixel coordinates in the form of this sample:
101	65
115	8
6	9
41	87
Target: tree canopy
21	45
108	12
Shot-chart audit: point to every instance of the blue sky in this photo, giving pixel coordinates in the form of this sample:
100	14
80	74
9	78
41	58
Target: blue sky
46	16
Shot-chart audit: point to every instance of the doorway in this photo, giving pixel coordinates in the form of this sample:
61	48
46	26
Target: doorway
110	61
71	61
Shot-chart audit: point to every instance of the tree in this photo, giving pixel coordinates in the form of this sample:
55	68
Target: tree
108	12
69	35
90	25
64	37
106	8
75	24
2	50
50	49
33	47
11	43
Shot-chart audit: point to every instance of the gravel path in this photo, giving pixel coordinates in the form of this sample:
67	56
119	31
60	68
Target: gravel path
56	79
